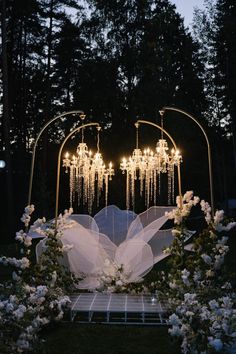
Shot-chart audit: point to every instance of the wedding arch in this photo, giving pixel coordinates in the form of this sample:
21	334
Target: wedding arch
115	247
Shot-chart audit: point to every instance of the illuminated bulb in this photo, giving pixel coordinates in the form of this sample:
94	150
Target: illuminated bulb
147	166
88	176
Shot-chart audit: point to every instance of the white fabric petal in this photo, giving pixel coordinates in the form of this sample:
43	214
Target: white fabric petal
136	257
115	238
114	222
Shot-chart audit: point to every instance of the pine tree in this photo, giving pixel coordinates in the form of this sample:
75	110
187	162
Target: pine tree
215	31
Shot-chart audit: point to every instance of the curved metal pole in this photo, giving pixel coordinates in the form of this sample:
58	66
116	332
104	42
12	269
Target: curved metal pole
59	163
208	150
35	146
174	144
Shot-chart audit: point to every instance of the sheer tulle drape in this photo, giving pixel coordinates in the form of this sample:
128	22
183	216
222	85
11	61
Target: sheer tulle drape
119	236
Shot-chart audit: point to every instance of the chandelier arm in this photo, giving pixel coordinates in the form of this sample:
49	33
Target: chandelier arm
208	149
36	143
82	127
98	138
162	125
175	147
82	139
137	135
59	163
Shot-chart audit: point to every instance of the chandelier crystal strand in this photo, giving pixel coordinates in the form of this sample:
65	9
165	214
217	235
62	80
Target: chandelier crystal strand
79	186
147	166
127	191
169	189
88	175
72	179
155	187
173	186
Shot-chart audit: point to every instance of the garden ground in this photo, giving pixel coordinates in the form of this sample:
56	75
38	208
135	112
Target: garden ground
74	338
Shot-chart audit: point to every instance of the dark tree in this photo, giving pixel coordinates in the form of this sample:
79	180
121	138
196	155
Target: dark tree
215	30
9	223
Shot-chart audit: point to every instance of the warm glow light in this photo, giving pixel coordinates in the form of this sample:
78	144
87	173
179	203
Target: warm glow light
88	176
146	168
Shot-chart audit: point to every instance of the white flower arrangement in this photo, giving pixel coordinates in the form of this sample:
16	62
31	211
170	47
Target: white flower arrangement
114	278
202	301
214	324
38	290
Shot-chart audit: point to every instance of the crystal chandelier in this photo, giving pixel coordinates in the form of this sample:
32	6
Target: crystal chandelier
88	175
147	166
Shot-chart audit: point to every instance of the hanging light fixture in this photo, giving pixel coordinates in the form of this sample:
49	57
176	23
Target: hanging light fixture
147	167
88	174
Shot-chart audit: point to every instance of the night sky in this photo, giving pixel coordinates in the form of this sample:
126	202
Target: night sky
185	8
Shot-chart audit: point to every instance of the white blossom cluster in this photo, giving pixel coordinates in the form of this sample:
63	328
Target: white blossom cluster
214	322
216	259
29	308
205	321
206	208
217	219
39	227
22	263
25	307
24	238
31	304
64	221
113	277
43	228
26	216
184	207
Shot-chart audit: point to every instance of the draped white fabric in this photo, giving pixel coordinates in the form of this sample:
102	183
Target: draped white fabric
114	223
119	237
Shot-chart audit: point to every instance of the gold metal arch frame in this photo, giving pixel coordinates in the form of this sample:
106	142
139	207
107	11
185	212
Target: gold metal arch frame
175	147
78	112
76	130
208	149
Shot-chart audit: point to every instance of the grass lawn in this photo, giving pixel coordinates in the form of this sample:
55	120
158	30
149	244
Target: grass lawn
74	338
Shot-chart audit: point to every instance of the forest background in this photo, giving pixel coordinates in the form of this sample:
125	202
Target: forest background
117	60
